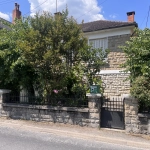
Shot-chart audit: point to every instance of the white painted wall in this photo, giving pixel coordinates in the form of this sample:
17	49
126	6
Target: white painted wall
109	32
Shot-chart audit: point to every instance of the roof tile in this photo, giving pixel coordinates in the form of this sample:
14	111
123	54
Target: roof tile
104	24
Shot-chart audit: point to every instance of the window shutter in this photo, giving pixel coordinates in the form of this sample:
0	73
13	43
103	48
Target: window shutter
99	43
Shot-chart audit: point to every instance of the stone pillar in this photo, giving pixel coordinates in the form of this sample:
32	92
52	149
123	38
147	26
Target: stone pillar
131	115
94	106
2	93
0	104
149	126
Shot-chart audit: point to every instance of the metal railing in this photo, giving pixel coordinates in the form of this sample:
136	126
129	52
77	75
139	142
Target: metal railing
113	103
143	108
68	101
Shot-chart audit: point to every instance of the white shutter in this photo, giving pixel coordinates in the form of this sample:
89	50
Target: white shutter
99	43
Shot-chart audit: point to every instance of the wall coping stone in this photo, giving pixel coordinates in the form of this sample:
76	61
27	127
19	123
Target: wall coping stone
92	95
142	115
58	108
129	97
103	72
4	91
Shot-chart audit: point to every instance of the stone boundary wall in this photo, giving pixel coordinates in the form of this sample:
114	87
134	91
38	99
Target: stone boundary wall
135	122
68	115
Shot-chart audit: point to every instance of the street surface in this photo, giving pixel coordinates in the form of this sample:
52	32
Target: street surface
20	137
13	139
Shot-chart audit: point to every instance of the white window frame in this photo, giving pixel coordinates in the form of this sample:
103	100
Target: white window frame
99	43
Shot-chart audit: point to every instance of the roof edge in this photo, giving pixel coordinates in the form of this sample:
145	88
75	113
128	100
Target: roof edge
131	24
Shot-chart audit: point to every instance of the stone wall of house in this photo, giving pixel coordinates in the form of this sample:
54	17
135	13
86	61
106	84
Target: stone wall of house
115	84
135	122
89	116
116	55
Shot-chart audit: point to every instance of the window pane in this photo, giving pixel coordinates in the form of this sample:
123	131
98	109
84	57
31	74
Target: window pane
99	43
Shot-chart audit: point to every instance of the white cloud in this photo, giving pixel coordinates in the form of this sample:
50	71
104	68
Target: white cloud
5	16
87	10
112	16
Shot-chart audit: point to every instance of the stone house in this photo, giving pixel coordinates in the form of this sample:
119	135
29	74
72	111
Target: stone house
101	34
106	35
110	35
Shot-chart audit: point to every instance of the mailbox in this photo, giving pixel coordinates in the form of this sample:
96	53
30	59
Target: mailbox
95	89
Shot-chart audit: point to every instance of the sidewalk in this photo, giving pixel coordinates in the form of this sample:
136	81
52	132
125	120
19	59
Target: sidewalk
103	135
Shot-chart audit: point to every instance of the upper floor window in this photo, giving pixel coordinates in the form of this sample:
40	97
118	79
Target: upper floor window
99	43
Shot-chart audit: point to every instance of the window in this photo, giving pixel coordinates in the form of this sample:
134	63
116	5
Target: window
99	43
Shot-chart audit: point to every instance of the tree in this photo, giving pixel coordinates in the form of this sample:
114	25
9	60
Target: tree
54	51
137	51
15	71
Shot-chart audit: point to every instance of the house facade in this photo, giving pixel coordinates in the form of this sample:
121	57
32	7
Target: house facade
106	35
110	35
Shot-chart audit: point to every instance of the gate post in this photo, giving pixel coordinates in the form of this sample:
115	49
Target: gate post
131	115
2	98
1	104
94	106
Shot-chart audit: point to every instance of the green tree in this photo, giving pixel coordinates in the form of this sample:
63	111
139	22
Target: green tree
54	51
15	71
137	51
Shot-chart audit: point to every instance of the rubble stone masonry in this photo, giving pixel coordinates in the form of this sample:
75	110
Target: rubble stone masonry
89	116
115	84
138	123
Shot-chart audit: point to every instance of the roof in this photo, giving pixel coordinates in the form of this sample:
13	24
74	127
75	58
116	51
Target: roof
3	23
104	24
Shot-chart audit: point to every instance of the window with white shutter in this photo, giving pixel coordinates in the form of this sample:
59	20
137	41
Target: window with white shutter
99	43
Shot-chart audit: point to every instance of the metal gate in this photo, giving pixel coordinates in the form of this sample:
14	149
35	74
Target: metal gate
112	113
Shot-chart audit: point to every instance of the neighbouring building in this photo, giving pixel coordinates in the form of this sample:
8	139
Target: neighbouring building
3	23
110	35
16	14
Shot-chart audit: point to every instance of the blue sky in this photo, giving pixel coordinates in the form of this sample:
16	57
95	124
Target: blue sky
87	10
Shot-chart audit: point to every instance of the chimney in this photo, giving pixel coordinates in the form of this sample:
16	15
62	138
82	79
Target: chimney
58	14
131	16
16	13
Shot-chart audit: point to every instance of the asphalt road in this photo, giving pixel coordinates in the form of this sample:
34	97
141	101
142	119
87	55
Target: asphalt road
23	139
